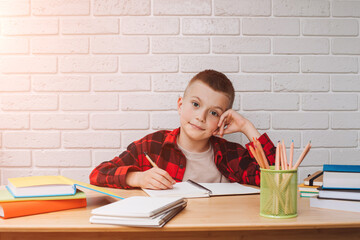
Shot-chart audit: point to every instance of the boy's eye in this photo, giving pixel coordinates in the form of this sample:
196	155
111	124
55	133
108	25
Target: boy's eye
195	104
214	113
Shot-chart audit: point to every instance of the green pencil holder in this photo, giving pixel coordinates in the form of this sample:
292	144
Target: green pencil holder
278	193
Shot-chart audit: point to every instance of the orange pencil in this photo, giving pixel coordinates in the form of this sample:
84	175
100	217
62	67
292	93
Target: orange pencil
277	157
252	150
291	154
303	155
284	154
262	154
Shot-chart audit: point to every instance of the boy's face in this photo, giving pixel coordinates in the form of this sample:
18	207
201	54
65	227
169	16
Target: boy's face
200	111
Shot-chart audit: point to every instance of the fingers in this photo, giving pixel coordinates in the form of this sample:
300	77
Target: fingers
157	178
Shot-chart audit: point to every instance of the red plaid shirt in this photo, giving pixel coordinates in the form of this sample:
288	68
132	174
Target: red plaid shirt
232	160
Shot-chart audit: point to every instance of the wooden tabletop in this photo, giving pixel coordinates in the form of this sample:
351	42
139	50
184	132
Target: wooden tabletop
223	213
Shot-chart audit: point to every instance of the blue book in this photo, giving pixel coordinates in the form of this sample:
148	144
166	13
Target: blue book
341	168
341	176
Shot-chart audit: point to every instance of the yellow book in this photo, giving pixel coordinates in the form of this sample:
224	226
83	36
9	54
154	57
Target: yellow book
6	196
44	186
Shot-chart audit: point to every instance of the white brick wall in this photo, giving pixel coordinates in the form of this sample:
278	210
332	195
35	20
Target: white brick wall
81	79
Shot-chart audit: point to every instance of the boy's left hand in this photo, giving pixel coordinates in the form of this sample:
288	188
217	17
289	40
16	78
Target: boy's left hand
232	121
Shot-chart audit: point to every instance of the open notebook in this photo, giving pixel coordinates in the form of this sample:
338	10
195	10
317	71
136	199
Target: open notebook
191	189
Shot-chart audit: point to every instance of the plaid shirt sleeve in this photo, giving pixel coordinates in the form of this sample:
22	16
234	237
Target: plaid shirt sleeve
113	173
240	166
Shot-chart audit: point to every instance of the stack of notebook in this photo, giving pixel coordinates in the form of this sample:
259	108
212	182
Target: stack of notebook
139	211
340	189
41	194
311	184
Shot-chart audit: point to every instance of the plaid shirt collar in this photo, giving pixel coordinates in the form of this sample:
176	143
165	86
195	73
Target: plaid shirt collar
171	140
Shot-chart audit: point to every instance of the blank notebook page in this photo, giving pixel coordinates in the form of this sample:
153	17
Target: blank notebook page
137	206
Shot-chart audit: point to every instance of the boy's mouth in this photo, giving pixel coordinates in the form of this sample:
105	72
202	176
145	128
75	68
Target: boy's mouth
196	126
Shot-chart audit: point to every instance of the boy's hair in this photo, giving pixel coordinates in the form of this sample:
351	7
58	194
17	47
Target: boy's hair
217	81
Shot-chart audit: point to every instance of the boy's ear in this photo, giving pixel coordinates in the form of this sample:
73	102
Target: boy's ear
179	104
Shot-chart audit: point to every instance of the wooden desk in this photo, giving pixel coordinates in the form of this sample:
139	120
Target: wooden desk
234	217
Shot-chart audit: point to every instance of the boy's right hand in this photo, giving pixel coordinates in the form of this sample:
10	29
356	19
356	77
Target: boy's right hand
154	178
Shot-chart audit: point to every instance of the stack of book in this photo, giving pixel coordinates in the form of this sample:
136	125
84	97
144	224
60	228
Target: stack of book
340	189
139	211
41	194
311	184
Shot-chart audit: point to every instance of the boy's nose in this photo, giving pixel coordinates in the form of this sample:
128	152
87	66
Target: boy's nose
201	116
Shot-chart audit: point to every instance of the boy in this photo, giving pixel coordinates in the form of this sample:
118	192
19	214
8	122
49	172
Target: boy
191	151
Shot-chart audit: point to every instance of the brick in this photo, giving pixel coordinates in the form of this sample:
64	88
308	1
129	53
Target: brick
56	121
345	156
89	26
236	104
62	158
199	63
170	82
260	120
345	83
88	64
301	83
85	102
241	45
242	7
330	139
149	64
236	137
49	45
345	120
26	102
270	64
56	83
150	26
301	8
149	101
287	136
165	121
121	83
77	174
122	7
14	8
130	136
91	140
60	7
14	121
28	26
329	64
349	46
14	45
316	157
112	45
181	7
210	26
120	121
10	158
346	8
31	140
28	64
251	83
322	102
311	46
270	101
105	155
180	45
300	120
271	26
14	83
330	27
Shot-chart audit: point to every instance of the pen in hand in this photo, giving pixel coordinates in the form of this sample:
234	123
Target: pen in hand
151	161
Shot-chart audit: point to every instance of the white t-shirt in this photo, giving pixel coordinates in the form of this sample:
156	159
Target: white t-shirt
200	167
